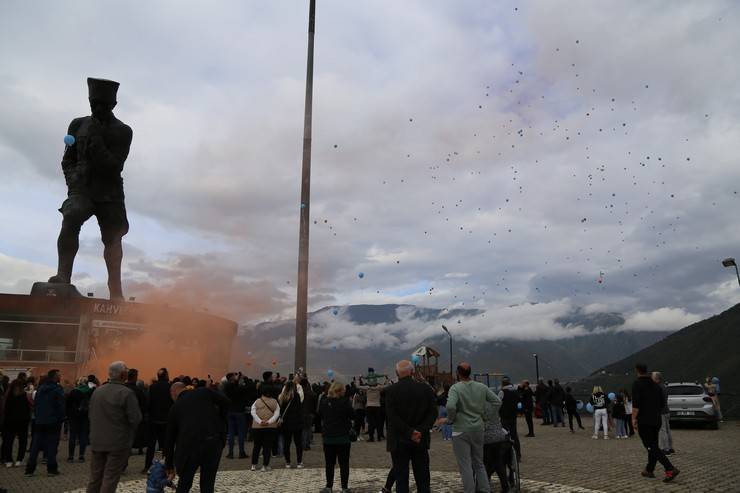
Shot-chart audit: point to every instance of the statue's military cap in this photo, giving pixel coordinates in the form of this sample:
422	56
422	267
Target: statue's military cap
102	89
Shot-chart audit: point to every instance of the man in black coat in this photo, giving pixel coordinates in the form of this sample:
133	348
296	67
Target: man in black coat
158	407
526	395
196	436
647	401
411	410
236	391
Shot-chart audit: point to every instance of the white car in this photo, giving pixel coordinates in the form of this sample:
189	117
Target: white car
689	402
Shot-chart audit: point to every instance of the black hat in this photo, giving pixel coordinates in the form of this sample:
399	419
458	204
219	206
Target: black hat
102	89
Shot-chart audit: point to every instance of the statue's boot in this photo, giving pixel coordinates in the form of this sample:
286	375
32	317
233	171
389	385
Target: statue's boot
64	269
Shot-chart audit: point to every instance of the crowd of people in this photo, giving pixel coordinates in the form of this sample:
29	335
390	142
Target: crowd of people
189	421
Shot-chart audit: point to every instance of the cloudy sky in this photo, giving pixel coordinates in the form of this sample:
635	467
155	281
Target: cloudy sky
475	154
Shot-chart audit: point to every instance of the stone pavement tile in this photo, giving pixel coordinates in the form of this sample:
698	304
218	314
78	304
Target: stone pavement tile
312	480
708	461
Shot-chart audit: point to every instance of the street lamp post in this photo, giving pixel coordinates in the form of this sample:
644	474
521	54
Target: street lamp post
450	335
730	262
537	366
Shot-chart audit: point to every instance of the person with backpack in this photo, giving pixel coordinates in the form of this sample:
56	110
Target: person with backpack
78	406
509	396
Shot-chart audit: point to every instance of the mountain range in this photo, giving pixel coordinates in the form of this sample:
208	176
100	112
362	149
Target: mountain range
706	348
269	344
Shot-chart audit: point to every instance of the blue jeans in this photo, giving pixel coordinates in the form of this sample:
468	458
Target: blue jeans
446	429
557	415
237	427
46	438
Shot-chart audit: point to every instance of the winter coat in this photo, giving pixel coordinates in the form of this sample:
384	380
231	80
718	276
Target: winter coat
48	404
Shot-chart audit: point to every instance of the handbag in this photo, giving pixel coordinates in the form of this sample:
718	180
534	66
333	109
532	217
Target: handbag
280	419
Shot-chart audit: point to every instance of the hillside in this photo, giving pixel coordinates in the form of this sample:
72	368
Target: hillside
568	359
707	348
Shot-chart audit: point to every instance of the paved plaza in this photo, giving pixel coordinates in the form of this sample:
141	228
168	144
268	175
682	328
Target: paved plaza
553	461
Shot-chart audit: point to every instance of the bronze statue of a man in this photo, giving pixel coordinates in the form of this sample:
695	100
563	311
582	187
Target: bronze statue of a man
92	167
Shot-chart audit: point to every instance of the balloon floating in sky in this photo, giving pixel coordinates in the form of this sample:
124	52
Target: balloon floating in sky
69	140
274	363
361	275
330	373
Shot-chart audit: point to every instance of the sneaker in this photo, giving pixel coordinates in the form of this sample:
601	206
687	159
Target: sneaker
253	468
606	437
299	466
595	437
647	474
288	466
18	464
670	475
266	469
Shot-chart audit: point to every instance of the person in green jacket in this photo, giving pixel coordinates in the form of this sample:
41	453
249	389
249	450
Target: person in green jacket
465	408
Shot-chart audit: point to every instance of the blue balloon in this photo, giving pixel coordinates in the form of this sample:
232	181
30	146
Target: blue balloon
69	140
330	373
579	405
361	275
519	405
612	396
335	311
589	407
303	206
415	359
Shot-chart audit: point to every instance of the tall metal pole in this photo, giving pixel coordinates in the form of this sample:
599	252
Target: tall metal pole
450	336
301	318
537	366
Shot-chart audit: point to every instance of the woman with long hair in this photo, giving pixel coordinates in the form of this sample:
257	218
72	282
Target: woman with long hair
600	403
17	412
292	423
336	422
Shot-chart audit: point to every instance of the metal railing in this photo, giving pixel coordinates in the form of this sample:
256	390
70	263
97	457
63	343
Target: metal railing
37	355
